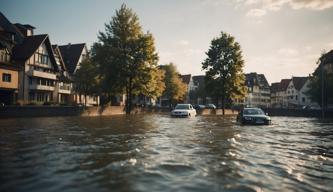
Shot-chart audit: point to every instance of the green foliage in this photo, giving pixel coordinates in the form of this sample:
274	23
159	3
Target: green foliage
320	78
127	58
224	69
86	78
155	87
175	89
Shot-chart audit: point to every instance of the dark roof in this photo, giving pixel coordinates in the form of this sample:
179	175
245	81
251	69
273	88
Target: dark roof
198	80
30	44
254	79
28	47
186	78
275	87
56	51
327	57
284	84
299	82
6	25
27	26
71	54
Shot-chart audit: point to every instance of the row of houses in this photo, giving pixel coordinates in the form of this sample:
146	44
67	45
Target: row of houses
35	71
288	93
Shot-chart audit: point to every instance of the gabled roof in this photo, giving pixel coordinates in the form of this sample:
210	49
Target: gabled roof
254	79
186	78
71	54
198	80
57	52
284	84
6	25
28	47
275	87
30	44
299	82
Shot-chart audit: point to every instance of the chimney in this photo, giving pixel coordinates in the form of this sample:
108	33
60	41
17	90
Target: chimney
26	30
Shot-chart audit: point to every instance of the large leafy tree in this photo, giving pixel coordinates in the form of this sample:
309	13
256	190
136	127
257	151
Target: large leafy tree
322	77
224	69
126	56
175	88
86	79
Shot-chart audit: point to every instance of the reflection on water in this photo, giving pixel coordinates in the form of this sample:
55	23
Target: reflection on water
158	153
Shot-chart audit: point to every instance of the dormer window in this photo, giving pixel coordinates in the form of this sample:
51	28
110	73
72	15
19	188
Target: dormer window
29	32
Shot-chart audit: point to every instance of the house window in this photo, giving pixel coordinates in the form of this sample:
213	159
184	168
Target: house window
41	58
296	97
303	99
6	77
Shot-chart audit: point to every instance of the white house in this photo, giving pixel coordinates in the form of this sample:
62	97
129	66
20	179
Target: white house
296	93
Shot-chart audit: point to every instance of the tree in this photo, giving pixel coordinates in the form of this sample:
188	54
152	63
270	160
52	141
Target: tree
156	86
126	56
322	77
224	69
175	89
86	79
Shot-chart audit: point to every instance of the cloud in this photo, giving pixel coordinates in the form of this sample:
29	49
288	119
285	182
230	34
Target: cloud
191	52
330	45
288	51
311	4
183	42
256	13
274	5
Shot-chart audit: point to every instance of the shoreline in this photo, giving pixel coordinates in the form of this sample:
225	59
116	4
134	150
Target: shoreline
56	111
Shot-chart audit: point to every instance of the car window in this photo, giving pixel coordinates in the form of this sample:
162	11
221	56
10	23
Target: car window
182	107
253	112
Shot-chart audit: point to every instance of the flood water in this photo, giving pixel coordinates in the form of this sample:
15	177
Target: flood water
158	153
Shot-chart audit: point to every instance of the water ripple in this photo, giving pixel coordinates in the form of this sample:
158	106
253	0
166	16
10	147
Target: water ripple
158	153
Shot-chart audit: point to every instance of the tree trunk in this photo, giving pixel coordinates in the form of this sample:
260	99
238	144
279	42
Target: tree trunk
223	104
129	97
85	100
126	101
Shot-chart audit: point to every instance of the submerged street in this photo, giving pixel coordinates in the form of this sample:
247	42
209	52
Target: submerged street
154	152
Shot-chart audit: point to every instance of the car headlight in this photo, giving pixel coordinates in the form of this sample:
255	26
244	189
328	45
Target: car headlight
248	118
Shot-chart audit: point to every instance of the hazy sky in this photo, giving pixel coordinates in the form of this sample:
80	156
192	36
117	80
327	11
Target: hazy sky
279	38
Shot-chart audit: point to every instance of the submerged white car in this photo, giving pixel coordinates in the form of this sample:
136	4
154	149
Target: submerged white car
183	110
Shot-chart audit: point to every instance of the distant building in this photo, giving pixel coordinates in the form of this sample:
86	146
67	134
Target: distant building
65	82
258	90
73	55
296	93
279	97
187	79
199	94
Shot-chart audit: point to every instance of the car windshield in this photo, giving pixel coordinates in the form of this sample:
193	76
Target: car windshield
253	112
182	106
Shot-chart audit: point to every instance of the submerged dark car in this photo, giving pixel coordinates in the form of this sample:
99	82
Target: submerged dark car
253	116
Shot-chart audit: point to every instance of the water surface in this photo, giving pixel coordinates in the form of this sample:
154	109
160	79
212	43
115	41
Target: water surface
159	153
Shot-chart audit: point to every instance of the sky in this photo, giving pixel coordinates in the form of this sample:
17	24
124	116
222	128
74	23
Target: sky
279	38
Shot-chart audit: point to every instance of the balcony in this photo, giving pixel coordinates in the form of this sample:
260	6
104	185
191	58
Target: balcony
42	74
42	87
64	90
